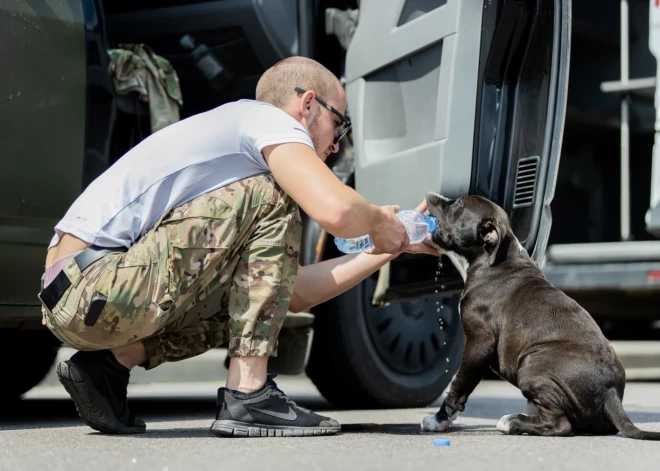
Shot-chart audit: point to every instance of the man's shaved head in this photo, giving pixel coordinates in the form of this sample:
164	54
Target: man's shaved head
277	84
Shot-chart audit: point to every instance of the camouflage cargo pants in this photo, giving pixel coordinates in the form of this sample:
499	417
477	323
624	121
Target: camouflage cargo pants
218	269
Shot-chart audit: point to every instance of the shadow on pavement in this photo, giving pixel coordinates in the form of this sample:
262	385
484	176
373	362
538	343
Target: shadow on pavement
347	429
196	432
409	429
53	413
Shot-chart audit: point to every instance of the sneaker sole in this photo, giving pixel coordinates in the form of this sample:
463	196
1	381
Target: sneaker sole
93	408
232	428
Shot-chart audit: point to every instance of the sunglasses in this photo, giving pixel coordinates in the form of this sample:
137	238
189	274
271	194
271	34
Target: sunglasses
346	123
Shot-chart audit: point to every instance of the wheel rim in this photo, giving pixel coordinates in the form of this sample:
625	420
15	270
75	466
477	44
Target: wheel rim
411	337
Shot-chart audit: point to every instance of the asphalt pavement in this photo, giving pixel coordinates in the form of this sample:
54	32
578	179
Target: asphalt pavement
43	432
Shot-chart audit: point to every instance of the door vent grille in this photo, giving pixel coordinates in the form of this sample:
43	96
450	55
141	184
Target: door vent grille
526	179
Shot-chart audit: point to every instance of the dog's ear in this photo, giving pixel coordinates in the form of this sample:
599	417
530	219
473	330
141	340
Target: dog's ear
495	241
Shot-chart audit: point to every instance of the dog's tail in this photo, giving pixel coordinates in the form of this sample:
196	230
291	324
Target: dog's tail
615	412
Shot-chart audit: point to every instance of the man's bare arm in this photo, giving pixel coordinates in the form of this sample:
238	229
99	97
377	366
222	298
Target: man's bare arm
321	281
324	280
336	207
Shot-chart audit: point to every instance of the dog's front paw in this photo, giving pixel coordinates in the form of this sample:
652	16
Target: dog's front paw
504	424
432	424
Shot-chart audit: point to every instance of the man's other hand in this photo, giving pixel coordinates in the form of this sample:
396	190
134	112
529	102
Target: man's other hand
390	235
420	248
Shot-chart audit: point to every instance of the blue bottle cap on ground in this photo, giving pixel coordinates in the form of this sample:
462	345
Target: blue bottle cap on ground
441	442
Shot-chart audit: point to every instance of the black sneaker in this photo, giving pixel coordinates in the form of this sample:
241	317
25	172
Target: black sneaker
97	383
267	412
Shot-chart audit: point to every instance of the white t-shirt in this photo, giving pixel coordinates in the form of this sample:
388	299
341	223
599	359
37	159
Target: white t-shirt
175	165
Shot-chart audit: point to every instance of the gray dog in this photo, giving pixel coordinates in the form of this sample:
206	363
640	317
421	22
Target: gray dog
526	330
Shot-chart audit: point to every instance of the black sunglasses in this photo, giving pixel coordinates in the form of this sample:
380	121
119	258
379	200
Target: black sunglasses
340	131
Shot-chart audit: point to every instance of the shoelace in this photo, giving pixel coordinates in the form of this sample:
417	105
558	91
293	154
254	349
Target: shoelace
281	394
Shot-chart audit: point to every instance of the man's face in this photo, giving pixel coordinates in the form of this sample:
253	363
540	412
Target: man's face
325	124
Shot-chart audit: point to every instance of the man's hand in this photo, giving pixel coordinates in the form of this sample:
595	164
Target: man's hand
420	248
390	234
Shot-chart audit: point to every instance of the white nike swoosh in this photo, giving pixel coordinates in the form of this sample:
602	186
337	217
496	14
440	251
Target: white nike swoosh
291	415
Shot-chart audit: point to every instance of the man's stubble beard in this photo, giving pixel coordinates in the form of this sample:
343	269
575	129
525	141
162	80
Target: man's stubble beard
313	127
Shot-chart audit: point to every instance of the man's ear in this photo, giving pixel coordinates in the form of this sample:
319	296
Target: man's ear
494	245
306	104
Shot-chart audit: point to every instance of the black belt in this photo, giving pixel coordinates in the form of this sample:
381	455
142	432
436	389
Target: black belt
51	294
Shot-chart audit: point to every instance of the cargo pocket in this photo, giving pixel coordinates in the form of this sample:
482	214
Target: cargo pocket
81	286
126	294
200	235
193	267
123	294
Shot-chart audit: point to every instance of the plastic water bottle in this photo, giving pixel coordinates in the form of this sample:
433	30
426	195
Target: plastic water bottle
417	226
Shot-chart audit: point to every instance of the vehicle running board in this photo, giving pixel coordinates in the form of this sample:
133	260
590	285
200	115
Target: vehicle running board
633	277
606	252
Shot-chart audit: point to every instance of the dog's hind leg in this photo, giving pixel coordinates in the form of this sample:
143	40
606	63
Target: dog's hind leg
545	396
530	408
544	423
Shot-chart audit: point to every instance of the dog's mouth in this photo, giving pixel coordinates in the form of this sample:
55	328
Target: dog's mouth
434	239
459	261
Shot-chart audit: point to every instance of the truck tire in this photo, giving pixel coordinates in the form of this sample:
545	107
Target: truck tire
396	356
27	357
